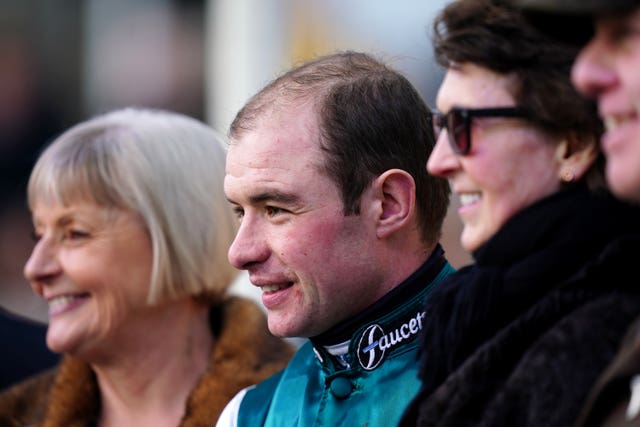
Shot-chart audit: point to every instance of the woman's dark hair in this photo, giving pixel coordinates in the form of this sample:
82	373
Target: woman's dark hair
496	36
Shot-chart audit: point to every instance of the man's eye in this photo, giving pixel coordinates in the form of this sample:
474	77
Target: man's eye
620	33
238	212
623	29
272	210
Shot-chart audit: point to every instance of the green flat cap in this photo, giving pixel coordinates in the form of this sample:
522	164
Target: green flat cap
576	6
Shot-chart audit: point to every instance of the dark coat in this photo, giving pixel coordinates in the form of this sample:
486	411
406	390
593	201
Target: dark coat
24	350
519	338
608	401
244	354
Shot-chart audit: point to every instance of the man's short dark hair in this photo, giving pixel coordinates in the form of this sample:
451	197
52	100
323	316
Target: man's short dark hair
371	119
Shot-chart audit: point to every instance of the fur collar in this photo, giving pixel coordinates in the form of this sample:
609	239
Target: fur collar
244	354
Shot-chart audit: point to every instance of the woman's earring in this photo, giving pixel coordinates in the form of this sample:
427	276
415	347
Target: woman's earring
566	175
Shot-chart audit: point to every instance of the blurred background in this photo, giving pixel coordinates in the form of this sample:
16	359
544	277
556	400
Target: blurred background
63	62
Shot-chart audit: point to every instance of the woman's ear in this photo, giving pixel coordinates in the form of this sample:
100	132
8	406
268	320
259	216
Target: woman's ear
395	190
575	157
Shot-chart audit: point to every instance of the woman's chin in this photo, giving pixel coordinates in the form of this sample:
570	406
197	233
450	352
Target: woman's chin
61	341
469	239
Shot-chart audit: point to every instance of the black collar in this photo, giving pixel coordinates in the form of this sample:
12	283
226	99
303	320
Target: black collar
395	298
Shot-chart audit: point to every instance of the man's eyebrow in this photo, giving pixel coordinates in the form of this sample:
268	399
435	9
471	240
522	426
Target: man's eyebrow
270	196
274	196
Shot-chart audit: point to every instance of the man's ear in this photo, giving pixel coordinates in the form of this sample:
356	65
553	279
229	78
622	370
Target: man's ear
575	158
395	190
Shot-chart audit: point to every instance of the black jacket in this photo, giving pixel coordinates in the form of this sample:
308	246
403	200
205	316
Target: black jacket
518	338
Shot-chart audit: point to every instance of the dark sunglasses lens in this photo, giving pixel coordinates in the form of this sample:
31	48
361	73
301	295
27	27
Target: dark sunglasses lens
458	132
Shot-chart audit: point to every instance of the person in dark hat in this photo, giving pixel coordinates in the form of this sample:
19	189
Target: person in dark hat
608	70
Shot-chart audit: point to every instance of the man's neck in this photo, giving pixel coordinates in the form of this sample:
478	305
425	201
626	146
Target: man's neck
404	291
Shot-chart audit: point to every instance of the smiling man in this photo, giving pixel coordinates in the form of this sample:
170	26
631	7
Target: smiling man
339	227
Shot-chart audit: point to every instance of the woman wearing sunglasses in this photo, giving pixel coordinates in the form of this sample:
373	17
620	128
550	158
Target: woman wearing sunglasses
518	338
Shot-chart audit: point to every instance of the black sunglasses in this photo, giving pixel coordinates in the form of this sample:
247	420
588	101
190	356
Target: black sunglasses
457	122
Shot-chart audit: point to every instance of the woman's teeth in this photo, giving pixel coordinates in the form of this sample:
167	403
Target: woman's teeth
63	302
469	198
60	301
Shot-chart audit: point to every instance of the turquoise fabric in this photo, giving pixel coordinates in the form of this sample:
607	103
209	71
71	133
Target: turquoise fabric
374	390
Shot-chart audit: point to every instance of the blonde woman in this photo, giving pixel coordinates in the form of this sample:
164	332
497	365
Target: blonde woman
132	231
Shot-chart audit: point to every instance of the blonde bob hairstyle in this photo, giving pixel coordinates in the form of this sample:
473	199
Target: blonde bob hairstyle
166	167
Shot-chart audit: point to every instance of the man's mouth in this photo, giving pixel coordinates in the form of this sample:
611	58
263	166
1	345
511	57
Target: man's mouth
613	121
275	287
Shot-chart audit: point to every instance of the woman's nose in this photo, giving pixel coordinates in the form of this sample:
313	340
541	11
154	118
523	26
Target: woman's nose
43	262
442	160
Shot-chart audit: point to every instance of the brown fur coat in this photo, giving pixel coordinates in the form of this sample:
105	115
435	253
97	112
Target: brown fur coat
68	396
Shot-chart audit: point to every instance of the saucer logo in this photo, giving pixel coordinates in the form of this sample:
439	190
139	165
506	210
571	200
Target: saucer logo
374	342
371	355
